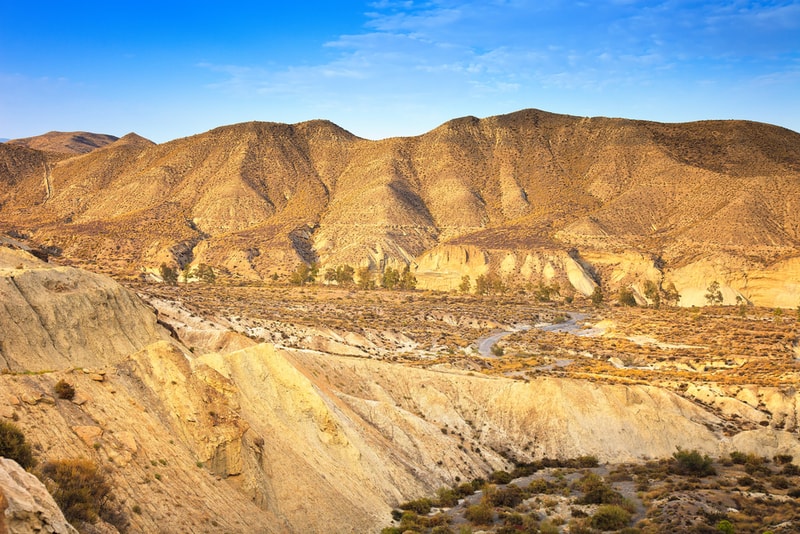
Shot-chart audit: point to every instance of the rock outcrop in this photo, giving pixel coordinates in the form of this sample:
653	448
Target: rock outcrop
26	507
60	317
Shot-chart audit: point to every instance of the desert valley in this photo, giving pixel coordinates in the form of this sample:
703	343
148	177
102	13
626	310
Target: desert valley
524	323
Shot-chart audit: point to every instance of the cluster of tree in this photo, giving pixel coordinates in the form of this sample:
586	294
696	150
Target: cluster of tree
363	277
485	284
304	274
545	293
394	279
652	291
656	294
342	275
202	272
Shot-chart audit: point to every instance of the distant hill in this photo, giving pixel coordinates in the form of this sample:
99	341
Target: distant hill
530	197
66	142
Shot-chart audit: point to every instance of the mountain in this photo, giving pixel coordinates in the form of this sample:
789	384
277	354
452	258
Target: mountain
65	142
530	197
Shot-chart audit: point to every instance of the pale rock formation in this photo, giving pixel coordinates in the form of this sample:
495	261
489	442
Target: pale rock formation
59	317
26	507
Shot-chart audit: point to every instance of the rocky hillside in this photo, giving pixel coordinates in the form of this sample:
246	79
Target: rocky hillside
65	142
530	196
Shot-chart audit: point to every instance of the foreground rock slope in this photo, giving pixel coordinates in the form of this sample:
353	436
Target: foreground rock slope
271	439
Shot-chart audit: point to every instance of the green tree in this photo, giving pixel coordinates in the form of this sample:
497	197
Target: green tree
206	273
542	292
497	285
168	274
466	285
365	280
625	297
299	276
187	273
344	275
482	285
652	292
713	294
391	278
671	295
597	296
330	274
407	279
304	274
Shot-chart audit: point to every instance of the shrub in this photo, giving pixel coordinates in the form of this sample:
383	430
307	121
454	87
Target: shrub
82	492
420	506
540	485
610	517
465	489
738	458
480	514
692	463
510	496
725	526
626	298
64	390
597	491
790	470
446	497
597	296
782	459
500	477
779	482
13	445
587	461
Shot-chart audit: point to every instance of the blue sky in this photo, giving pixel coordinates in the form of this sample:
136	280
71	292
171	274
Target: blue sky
387	68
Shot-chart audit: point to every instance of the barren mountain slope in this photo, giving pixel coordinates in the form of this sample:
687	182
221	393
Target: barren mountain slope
257	198
66	142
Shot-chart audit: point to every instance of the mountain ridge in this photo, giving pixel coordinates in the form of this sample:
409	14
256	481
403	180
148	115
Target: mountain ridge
66	142
256	198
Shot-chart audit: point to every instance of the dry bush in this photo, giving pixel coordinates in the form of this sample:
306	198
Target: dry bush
64	390
14	446
82	491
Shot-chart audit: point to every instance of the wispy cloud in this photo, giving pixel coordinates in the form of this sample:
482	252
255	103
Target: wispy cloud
470	50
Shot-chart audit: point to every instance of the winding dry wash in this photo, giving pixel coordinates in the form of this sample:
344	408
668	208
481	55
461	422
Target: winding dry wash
529	323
